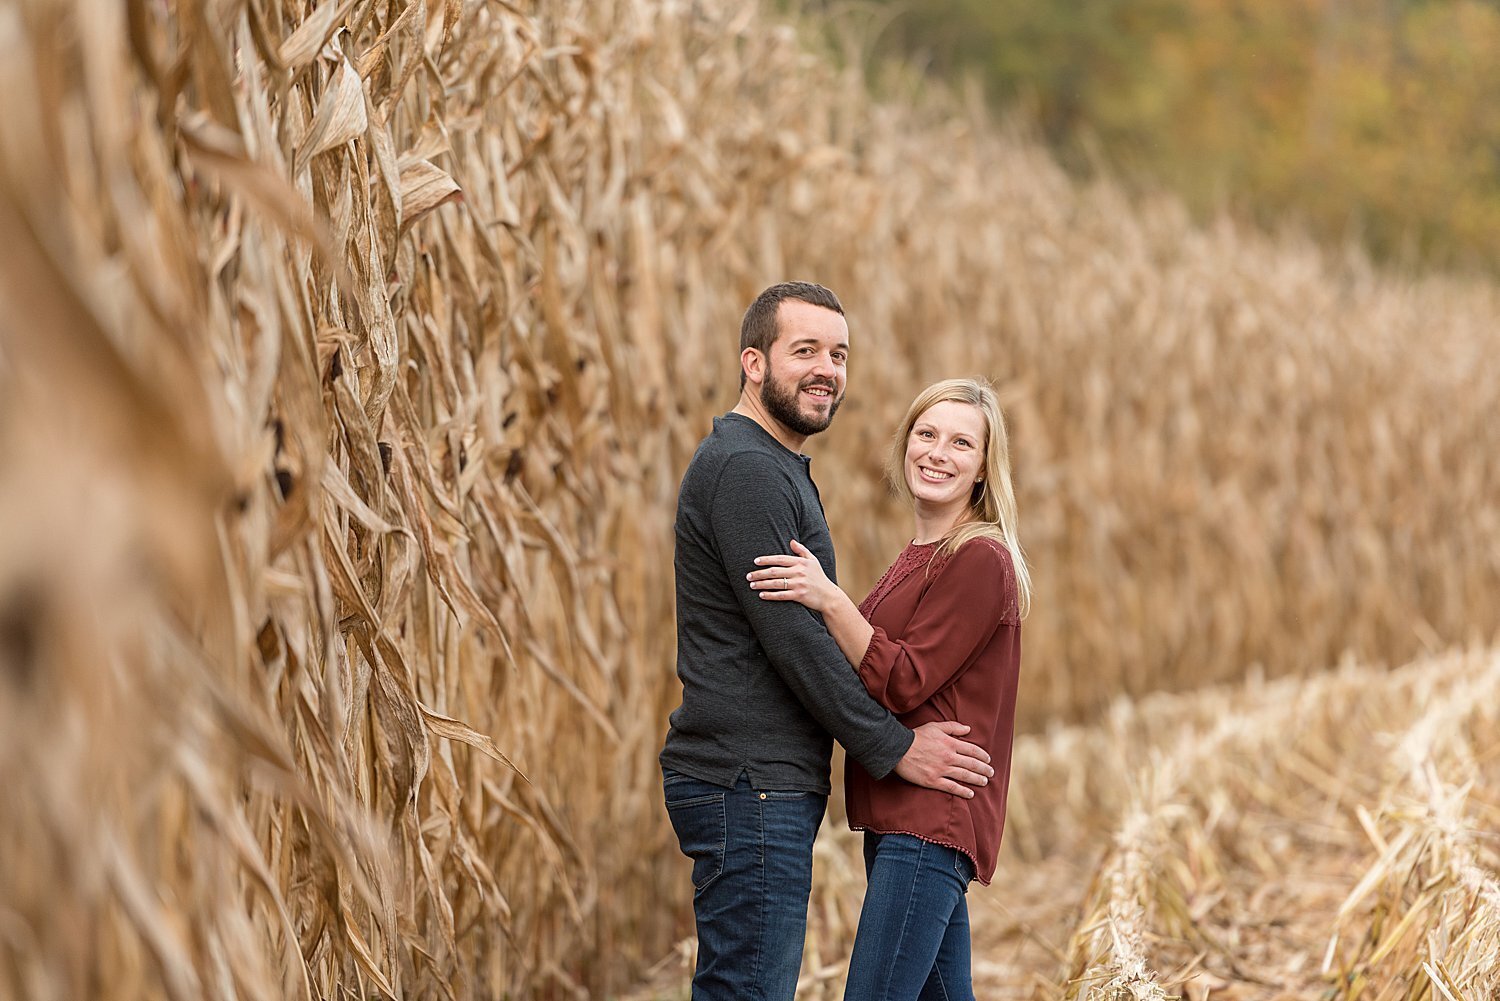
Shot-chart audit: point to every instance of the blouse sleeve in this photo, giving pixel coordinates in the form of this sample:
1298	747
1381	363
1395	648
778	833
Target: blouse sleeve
953	621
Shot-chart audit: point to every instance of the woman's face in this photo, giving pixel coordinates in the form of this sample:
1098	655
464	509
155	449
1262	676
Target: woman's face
945	454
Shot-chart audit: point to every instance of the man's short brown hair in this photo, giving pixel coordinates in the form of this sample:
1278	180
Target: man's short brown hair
758	329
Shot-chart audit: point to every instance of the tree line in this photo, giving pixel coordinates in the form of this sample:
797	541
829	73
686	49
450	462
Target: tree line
1366	119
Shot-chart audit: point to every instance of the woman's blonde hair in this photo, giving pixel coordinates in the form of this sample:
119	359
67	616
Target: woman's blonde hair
992	505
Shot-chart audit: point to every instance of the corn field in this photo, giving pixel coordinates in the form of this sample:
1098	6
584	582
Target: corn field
350	353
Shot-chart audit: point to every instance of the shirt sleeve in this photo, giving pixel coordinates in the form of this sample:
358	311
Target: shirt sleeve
754	513
953	622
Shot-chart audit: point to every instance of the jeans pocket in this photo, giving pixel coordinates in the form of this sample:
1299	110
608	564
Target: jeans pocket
700	825
964	866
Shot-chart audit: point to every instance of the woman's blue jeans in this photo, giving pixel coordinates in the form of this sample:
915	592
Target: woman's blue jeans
752	873
913	938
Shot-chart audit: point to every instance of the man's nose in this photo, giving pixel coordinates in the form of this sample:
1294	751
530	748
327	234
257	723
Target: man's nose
825	366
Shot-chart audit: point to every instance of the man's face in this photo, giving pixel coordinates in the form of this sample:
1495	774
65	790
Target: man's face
806	368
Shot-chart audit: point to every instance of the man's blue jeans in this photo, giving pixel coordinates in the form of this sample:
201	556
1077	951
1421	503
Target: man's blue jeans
752	873
913	938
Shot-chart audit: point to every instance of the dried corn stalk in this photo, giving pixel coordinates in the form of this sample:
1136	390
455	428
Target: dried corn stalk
349	355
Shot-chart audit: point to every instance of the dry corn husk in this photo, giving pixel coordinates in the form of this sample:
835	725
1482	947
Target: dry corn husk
349	359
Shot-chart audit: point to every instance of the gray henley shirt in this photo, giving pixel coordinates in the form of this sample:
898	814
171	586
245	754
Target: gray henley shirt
765	689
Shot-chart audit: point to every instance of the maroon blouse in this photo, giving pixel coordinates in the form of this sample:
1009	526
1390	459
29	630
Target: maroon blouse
947	646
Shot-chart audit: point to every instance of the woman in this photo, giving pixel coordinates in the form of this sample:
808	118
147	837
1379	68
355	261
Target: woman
939	638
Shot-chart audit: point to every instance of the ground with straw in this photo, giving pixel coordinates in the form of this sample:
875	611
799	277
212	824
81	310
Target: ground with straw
349	356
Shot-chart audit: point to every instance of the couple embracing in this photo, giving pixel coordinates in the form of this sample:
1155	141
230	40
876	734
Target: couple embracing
917	682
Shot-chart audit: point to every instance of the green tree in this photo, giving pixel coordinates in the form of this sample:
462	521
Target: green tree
1372	118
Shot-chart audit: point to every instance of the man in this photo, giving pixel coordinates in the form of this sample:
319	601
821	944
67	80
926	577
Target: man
765	688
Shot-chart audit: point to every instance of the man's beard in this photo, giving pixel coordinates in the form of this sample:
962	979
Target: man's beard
780	402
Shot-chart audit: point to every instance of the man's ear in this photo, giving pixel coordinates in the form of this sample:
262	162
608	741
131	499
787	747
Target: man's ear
753	364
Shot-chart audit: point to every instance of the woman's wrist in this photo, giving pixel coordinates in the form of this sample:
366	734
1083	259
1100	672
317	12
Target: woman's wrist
817	597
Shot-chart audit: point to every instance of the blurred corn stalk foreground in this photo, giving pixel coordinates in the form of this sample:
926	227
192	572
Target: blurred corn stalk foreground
349	356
